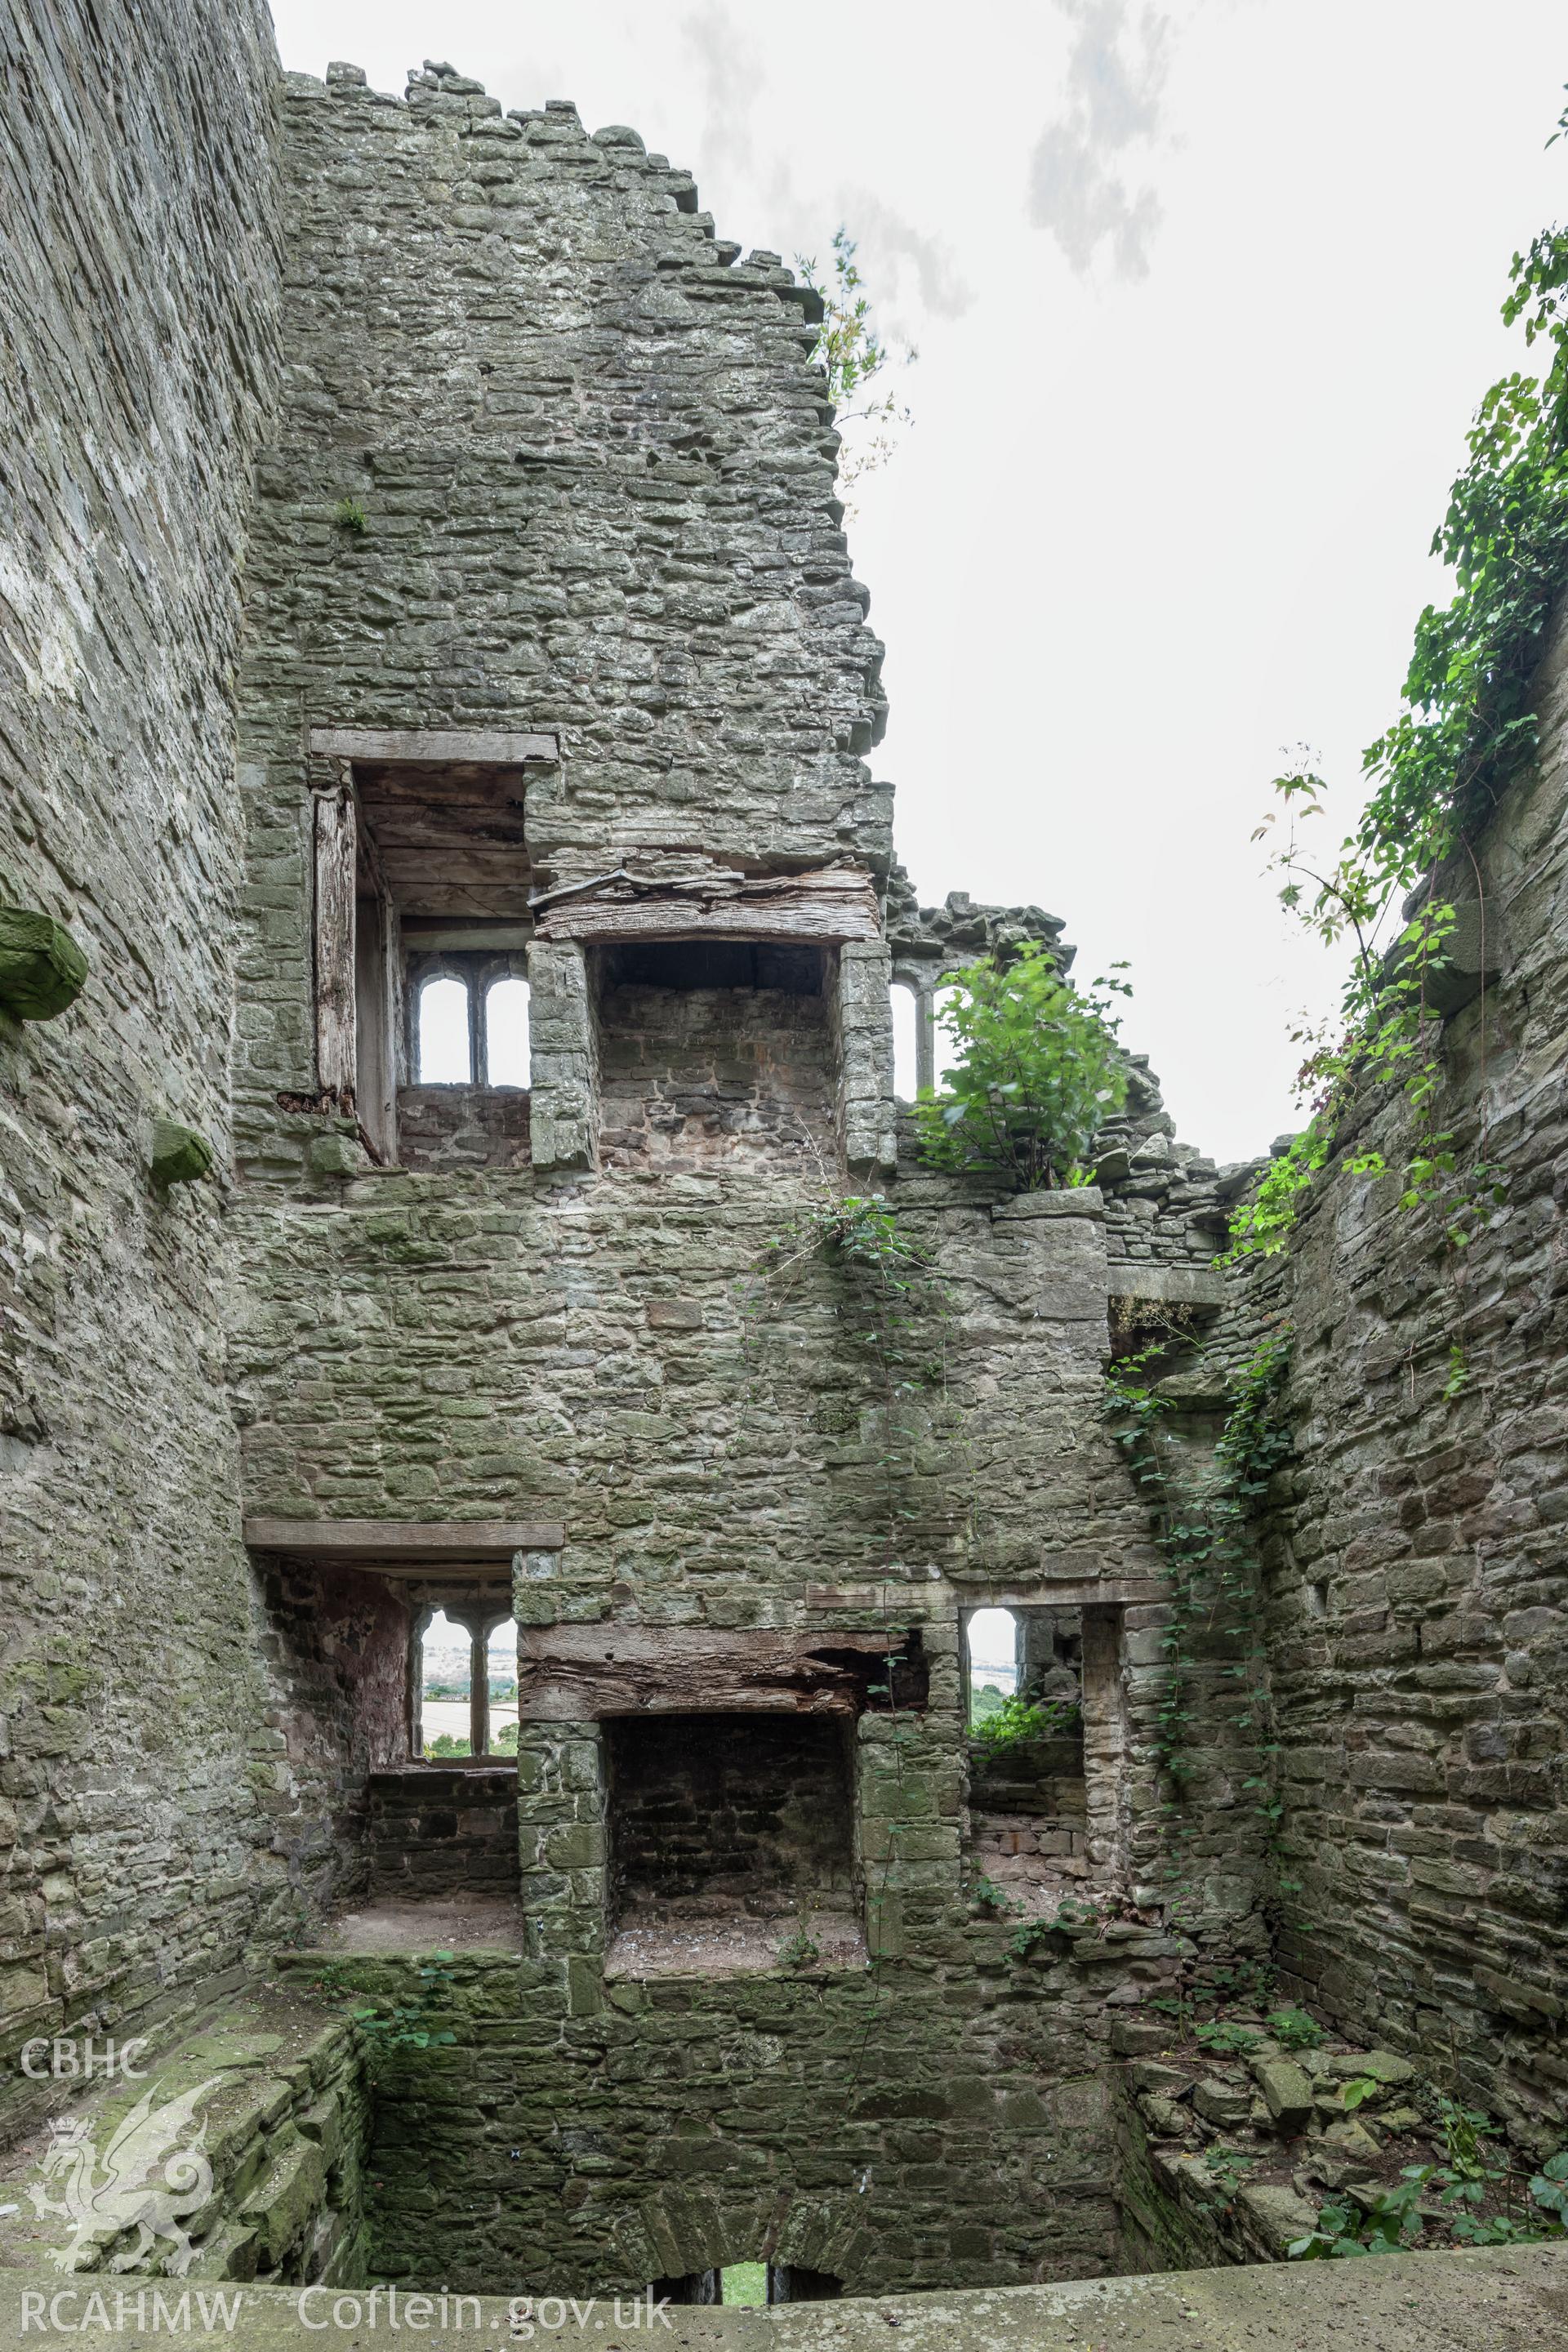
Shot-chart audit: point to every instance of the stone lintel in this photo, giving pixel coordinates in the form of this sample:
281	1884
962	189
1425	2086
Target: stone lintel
1171	1285
1072	1200
1071	1592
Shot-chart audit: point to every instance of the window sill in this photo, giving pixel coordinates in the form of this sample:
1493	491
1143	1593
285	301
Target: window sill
726	1946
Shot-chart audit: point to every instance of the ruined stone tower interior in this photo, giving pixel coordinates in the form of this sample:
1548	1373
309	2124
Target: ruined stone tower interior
498	1627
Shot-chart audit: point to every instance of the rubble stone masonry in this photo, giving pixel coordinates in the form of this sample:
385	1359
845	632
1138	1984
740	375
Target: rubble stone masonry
377	449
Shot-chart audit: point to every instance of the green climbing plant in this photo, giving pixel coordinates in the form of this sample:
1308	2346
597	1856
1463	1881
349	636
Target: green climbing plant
894	1306
414	2023
1492	2206
1201	1525
1466	725
1018	1721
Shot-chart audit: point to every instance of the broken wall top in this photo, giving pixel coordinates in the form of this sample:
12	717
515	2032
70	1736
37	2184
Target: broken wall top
597	475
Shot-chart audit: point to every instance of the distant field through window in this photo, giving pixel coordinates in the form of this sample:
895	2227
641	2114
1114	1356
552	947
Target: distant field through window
500	1690
446	1688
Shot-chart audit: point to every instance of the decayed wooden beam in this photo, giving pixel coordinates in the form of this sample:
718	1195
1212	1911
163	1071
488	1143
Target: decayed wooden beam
391	1542
434	746
579	1673
832	905
336	860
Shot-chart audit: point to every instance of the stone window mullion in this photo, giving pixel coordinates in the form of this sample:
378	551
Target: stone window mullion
479	1687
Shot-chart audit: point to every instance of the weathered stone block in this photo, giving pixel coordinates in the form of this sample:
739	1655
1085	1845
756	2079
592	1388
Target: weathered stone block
1287	2090
179	1155
42	969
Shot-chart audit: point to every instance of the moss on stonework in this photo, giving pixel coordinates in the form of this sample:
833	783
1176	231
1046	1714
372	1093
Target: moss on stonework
42	969
179	1154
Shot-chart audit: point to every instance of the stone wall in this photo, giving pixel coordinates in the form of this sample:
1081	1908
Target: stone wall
139	264
1418	1582
271	2095
596	478
597	475
337	1648
720	1438
921	2124
698	1076
714	1813
437	1830
456	1127
553	466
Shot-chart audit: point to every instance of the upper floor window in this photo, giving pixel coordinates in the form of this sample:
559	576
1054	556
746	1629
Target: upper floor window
506	1032
500	1690
422	925
907	1015
923	1050
471	1023
444	1049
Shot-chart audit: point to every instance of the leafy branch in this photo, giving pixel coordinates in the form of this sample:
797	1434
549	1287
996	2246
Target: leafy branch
1037	1073
1467	727
854	357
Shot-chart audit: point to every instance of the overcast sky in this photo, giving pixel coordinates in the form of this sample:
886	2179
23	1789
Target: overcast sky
1204	298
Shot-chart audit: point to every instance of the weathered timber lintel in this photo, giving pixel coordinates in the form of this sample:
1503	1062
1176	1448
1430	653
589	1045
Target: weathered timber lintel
396	1542
832	905
577	1673
434	746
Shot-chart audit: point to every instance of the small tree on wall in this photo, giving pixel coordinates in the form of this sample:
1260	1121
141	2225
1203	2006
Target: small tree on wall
1038	1071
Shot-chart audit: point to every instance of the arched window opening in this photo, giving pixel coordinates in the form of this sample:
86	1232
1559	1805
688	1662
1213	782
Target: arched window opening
444	1034
506	1032
992	1636
906	1012
946	1050
500	1690
446	1686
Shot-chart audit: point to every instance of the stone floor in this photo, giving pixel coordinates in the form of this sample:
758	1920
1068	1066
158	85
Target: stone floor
448	1923
1512	2299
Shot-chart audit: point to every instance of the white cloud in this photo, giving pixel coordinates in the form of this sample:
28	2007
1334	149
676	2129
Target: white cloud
1080	179
943	291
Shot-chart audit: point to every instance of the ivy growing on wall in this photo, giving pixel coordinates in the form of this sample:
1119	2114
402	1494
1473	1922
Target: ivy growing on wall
1465	728
894	1305
1203	1526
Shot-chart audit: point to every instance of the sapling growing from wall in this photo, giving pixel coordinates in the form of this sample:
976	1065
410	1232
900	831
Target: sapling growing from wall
1036	1074
854	357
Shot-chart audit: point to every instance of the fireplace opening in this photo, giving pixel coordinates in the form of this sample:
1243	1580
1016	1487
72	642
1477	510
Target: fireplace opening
731	1844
